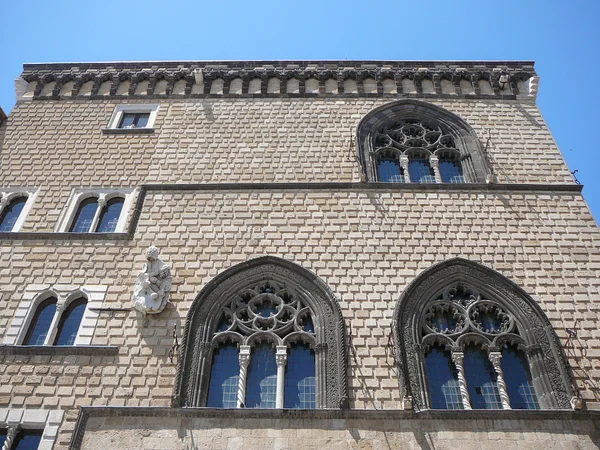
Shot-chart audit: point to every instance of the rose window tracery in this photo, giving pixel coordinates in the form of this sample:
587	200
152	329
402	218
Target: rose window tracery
413	150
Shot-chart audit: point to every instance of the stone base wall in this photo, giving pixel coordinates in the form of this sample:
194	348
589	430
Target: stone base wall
176	429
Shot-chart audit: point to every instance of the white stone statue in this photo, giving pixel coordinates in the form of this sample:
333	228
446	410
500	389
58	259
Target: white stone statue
153	284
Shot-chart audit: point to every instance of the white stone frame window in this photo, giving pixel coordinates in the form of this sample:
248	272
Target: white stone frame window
35	294
117	116
17	419
103	195
8	194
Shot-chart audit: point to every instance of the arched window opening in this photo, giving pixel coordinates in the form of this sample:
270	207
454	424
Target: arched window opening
289	340
440	146
69	323
261	387
450	168
481	379
300	384
40	323
519	384
419	169
82	223
109	217
10	214
442	379
389	169
463	330
224	377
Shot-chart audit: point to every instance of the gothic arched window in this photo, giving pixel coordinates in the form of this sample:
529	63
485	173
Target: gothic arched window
411	141
41	322
97	215
264	334
11	212
477	341
69	323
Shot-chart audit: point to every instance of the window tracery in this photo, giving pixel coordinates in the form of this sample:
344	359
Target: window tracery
265	333
480	343
411	141
265	319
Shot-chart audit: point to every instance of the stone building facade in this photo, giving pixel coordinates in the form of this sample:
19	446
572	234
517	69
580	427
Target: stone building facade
408	227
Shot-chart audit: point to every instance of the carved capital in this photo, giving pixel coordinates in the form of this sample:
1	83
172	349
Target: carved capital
281	355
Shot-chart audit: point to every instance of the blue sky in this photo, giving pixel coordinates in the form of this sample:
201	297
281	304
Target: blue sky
562	37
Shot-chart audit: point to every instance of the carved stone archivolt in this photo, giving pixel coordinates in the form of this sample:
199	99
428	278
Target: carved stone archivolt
264	299
458	302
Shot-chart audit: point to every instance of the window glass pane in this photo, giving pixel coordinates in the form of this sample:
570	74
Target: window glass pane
518	379
450	170
127	120
11	213
300	386
481	380
389	170
134	120
107	223
27	440
40	323
142	120
442	378
69	322
85	216
224	377
420	171
261	387
3	434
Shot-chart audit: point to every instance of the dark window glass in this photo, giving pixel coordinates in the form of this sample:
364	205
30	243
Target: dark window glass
261	387
224	377
107	223
300	385
481	380
451	170
519	384
27	440
420	171
442	379
389	170
11	213
134	120
307	324
40	324
85	216
69	322
3	434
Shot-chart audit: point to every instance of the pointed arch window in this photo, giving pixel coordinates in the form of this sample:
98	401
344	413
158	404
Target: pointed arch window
477	341
412	141
69	323
41	322
265	334
97	211
11	213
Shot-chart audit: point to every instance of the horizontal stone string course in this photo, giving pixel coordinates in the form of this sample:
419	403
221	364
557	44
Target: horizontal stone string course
293	79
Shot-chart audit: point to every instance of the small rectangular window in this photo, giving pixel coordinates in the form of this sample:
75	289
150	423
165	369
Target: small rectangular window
134	120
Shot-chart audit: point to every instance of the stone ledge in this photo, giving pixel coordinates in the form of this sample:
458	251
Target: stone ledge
127	130
28	236
59	350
